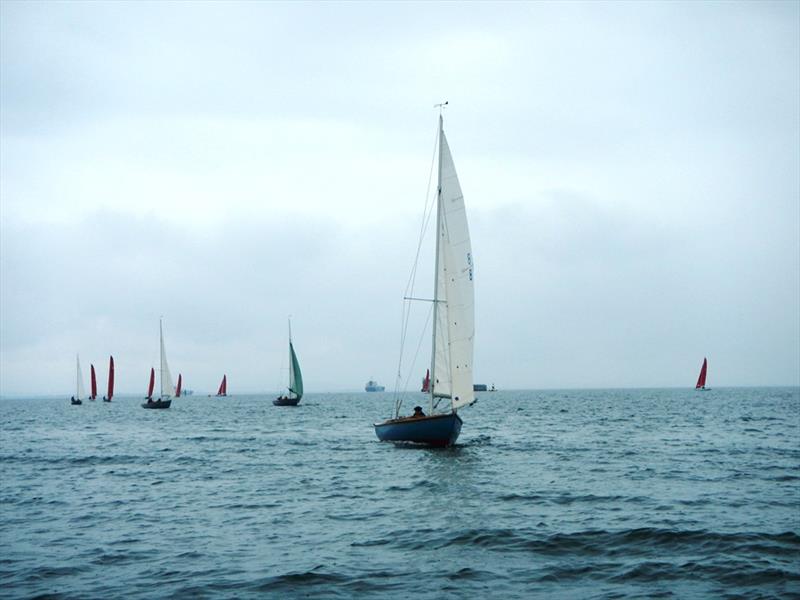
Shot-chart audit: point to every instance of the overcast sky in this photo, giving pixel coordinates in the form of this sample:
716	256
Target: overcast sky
631	173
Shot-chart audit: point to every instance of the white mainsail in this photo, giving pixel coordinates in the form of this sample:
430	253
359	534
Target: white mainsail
454	306
167	387
81	391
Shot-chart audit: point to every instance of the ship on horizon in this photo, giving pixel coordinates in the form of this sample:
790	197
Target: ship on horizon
373	386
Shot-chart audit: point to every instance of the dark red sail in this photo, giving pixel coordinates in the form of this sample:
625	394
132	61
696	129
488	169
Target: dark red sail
94	384
426	383
152	383
110	379
701	381
178	387
223	386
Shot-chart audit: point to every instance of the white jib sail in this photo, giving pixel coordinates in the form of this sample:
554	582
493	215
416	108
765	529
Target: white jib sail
167	387
455	320
81	391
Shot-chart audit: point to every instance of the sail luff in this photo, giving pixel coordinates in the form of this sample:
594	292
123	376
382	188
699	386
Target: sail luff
295	375
94	383
80	390
152	384
167	386
110	378
454	323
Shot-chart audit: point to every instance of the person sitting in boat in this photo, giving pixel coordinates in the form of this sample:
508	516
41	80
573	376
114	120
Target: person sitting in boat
417	412
150	400
72	399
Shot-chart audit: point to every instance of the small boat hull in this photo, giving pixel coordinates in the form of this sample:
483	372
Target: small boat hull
76	402
157	404
286	401
436	430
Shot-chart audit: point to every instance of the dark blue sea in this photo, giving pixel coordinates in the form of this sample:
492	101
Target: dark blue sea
550	494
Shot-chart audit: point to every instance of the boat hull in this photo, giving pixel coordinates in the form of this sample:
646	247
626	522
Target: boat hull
157	404
286	401
437	430
76	402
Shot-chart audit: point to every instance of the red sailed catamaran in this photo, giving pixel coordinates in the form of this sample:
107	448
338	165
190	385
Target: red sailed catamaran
94	384
223	386
110	380
701	381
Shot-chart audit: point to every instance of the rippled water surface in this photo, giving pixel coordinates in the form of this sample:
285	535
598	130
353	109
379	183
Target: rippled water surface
572	494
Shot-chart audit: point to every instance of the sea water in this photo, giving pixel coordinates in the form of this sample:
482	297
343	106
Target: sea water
552	494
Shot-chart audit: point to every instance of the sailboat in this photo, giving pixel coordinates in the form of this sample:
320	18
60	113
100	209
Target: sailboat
426	381
110	380
701	380
295	378
166	379
79	391
453	320
178	387
94	384
151	384
223	386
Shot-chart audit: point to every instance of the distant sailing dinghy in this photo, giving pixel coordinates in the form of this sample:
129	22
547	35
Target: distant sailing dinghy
80	391
701	381
223	387
166	379
295	379
453	321
110	390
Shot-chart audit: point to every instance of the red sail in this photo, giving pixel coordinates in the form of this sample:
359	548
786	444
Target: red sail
426	383
223	387
94	384
152	383
701	381
111	379
178	387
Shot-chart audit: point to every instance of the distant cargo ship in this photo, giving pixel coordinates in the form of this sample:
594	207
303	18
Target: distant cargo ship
372	386
481	387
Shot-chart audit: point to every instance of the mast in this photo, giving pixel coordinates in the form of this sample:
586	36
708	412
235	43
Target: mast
78	378
436	263
291	361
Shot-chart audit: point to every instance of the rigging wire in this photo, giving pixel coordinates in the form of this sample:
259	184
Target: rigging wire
406	307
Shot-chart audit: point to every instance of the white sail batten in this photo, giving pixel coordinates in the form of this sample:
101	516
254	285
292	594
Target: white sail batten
455	315
81	391
167	387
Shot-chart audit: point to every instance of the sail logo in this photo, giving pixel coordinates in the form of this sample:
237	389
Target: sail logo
469	264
